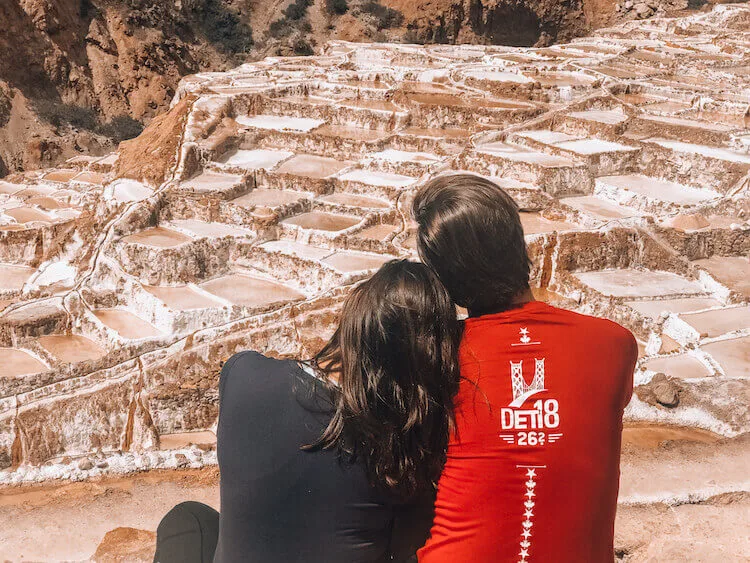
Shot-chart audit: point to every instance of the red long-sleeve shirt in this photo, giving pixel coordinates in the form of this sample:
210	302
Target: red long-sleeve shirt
533	470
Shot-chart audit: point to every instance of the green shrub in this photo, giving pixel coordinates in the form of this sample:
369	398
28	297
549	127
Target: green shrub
224	27
120	128
337	7
385	17
59	114
302	47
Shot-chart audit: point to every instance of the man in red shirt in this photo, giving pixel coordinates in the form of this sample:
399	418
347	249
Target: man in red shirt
532	470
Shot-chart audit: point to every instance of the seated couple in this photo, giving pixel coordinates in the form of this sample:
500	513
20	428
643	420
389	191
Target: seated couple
411	435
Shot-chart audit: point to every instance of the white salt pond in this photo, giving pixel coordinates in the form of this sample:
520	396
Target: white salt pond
126	324
654	188
16	363
280	123
159	237
71	348
249	291
321	221
638	283
256	159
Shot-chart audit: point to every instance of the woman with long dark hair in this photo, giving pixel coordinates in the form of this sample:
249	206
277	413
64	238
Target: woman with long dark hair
336	459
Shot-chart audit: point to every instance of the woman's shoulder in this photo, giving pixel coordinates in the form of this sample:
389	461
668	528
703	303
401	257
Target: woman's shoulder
250	369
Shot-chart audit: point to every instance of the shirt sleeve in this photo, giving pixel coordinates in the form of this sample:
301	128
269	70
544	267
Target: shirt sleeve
631	358
411	527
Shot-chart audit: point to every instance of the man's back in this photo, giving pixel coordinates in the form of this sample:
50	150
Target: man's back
532	473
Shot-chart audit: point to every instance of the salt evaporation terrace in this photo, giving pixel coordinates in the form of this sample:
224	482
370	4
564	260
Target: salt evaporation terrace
291	180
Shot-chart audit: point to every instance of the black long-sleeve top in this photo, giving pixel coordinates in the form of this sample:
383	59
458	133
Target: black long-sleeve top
280	503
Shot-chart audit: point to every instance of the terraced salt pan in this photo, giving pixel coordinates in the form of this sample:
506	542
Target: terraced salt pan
213	182
159	237
71	348
609	117
125	191
732	355
18	362
719	321
654	189
600	208
355	200
703	150
379	232
732	271
547	136
8	188
249	291
256	159
682	366
682	471
321	221
280	123
47	203
60	175
182	298
270	198
351	133
372	105
394	155
561	79
203	229
498	76
516	154
594	146
533	223
292	248
638	283
89	177
12	277
312	166
654	436
691	123
126	324
654	309
350	261
25	215
181	440
377	178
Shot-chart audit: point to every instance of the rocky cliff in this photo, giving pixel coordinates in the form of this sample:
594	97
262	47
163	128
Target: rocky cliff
82	75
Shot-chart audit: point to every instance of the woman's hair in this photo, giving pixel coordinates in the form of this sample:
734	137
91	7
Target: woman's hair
395	354
470	233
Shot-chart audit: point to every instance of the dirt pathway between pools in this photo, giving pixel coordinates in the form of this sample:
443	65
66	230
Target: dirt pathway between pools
66	522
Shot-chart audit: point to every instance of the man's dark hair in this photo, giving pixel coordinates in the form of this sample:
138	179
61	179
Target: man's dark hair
470	234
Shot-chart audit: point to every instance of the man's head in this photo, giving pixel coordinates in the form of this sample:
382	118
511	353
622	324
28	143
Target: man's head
470	234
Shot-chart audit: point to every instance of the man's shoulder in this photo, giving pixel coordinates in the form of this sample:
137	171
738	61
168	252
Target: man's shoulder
596	327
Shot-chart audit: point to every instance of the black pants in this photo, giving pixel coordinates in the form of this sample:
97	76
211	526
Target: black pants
187	534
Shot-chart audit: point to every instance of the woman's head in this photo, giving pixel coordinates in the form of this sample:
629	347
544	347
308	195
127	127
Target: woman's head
395	357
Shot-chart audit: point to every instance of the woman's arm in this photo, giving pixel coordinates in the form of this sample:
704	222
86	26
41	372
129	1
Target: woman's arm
411	527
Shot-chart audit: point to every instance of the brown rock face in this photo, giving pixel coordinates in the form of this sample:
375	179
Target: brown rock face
88	73
125	544
660	390
498	22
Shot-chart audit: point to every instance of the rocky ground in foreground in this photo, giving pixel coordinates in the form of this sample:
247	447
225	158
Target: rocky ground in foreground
114	519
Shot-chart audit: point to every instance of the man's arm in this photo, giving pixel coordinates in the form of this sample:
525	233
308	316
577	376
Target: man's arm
631	358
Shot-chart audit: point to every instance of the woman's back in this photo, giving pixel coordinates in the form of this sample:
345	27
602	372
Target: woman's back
279	503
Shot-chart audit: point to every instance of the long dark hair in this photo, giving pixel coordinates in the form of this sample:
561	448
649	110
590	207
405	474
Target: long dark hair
395	354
